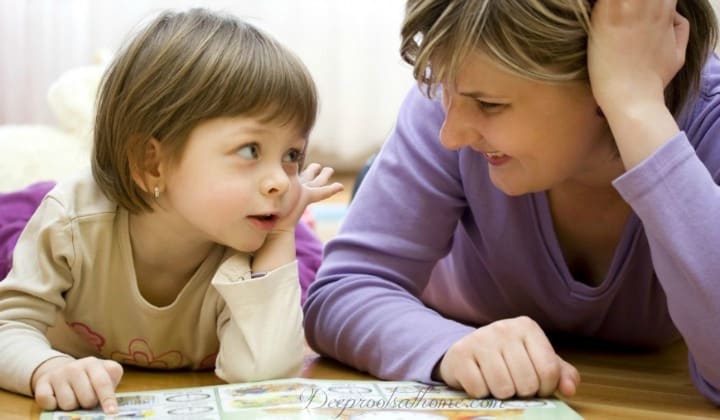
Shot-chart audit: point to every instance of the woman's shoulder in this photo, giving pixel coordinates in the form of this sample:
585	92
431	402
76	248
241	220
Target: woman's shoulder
420	103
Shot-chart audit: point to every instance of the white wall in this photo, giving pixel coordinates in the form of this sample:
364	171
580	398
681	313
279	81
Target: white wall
349	47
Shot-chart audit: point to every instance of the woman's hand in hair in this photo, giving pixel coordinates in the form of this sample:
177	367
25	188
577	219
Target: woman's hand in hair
634	51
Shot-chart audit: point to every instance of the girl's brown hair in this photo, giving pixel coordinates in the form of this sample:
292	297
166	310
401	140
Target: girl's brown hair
180	70
537	39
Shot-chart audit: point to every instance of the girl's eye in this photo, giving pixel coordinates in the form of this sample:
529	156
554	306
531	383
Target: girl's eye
293	156
490	107
249	151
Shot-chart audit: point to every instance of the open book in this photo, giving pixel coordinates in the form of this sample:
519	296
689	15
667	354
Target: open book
300	398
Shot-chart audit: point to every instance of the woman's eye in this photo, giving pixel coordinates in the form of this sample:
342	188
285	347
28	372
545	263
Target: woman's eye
489	106
249	151
293	156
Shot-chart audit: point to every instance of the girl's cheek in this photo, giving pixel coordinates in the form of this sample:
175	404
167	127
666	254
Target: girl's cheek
292	195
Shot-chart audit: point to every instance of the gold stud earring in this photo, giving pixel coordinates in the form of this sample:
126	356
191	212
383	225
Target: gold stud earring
156	192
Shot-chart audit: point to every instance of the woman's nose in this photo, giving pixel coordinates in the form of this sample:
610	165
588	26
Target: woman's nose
457	130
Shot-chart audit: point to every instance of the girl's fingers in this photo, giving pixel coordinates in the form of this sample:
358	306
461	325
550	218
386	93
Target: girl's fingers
78	383
44	396
64	395
115	370
104	387
310	172
322	178
83	390
326	191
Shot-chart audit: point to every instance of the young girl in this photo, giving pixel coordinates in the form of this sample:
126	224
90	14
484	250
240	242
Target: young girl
178	250
562	178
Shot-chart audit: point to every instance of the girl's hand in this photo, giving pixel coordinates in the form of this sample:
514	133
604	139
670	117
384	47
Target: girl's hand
279	246
507	358
65	383
635	49
313	185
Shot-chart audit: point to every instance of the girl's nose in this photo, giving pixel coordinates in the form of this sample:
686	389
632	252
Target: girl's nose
275	182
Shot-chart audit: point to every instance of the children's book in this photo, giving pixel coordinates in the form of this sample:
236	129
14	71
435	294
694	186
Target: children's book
300	398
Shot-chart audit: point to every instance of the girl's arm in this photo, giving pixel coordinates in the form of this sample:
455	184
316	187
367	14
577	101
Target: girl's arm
32	293
30	297
260	326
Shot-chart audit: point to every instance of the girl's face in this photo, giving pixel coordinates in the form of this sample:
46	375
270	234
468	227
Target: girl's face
235	178
535	135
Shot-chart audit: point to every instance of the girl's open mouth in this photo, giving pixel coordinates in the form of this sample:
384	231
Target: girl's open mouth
264	221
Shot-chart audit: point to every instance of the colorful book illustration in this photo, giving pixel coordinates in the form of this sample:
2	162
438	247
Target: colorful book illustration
300	398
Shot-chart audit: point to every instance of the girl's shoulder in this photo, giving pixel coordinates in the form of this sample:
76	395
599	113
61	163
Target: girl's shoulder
81	196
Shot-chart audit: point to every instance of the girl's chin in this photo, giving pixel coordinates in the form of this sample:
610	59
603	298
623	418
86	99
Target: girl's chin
246	248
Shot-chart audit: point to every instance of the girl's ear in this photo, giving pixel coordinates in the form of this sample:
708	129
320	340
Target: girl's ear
147	168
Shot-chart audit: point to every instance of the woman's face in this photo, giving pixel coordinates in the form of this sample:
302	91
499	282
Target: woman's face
535	135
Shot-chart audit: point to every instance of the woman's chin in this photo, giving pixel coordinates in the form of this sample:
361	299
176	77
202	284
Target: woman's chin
510	189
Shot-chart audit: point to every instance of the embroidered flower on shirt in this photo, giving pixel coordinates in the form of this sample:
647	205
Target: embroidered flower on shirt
87	334
140	354
208	362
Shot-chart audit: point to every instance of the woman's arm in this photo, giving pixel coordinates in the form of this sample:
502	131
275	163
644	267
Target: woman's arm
364	309
635	50
678	202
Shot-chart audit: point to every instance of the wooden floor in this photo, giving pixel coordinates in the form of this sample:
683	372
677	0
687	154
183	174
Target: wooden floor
615	385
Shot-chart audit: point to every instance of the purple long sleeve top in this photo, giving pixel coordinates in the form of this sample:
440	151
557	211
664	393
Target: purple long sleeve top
430	250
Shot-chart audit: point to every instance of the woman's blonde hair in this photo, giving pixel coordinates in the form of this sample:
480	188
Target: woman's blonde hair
184	68
537	39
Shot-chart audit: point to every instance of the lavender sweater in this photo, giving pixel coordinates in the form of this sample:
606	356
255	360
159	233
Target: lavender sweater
430	250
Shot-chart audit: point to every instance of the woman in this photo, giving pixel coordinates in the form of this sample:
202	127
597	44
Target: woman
558	176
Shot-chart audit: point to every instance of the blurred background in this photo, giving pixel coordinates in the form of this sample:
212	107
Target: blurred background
351	49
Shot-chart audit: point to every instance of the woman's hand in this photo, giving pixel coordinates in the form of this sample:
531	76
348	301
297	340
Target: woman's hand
635	49
65	383
507	358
